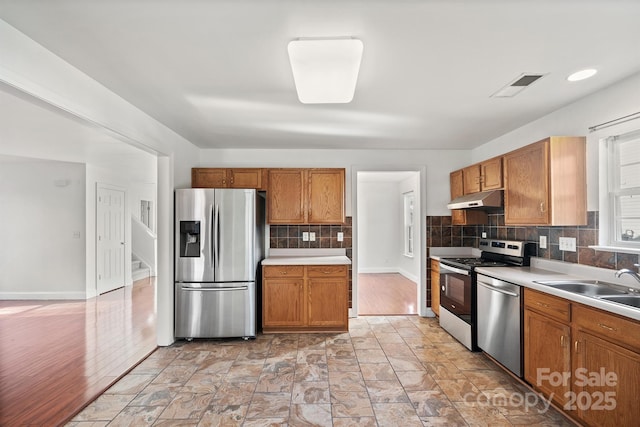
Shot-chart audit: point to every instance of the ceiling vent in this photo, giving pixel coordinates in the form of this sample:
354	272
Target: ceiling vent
518	85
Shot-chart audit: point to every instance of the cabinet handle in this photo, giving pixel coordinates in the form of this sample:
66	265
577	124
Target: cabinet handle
542	304
608	328
561	340
543	207
284	273
575	346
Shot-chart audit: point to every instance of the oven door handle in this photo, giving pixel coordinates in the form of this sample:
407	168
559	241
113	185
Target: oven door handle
502	291
452	270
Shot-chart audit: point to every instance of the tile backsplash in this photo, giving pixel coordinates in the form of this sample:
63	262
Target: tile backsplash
440	232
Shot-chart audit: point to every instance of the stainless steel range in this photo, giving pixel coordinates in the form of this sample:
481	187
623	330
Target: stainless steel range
458	285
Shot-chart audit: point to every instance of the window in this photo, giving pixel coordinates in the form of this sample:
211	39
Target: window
620	218
408	223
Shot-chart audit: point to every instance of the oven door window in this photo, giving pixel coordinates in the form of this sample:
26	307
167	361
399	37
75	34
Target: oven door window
455	293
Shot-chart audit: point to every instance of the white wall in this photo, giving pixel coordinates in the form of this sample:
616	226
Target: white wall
42	230
379	227
613	102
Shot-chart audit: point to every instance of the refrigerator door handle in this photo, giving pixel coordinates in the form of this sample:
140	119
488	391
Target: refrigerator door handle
211	234
237	288
216	233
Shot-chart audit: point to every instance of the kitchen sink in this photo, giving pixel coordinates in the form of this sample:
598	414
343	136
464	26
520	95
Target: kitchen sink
630	300
585	287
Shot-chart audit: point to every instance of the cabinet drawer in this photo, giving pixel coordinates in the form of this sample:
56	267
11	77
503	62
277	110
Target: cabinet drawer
283	271
326	270
555	307
611	327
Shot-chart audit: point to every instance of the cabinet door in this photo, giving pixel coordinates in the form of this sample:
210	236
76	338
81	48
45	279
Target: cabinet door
208	178
328	302
456	184
471	179
245	178
526	192
283	303
547	351
326	196
286	195
462	216
435	286
598	403
491	174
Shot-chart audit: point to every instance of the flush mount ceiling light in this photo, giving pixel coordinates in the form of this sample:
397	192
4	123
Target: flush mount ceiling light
582	74
325	71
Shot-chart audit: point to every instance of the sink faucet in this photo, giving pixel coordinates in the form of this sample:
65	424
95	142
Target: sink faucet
630	272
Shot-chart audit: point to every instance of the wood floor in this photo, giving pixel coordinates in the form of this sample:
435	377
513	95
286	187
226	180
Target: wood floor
386	294
58	356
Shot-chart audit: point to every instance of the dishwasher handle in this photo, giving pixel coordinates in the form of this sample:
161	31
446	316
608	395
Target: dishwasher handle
502	291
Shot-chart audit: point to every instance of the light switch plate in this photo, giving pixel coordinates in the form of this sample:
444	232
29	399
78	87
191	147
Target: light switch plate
543	242
312	236
568	244
305	236
340	236
484	234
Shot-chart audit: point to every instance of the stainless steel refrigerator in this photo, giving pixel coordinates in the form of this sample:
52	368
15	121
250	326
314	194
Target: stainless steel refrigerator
219	243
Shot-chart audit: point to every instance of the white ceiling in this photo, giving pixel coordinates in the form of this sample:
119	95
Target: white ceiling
217	71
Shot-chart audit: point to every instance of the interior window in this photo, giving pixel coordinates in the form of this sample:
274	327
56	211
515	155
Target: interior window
408	223
623	152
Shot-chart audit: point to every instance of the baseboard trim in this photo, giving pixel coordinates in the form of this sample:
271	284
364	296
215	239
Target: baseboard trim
375	270
43	295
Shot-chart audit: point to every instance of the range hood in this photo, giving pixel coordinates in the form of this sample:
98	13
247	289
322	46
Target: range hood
483	199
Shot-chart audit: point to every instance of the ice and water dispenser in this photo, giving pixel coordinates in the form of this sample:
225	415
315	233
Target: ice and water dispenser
189	239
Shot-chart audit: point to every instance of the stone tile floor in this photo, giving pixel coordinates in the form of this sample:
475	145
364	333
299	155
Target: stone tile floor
386	371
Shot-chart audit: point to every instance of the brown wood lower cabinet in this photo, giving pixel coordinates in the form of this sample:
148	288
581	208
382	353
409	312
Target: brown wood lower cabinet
312	298
585	359
435	286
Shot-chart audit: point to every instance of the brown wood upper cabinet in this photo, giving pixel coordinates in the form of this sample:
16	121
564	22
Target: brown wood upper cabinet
545	183
306	196
227	178
462	216
483	176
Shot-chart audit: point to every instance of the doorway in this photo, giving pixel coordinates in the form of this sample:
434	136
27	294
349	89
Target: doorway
388	237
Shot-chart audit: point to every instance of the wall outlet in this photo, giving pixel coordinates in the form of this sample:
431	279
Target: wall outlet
340	236
543	242
312	236
484	234
305	236
568	244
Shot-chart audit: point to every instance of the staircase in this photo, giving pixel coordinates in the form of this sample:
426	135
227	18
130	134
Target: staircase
139	270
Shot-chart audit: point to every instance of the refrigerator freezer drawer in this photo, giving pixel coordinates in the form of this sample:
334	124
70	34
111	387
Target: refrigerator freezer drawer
215	312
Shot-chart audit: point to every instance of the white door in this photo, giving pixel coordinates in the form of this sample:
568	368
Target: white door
110	254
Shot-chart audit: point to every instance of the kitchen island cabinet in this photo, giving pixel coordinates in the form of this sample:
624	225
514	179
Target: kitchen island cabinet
306	196
309	298
545	183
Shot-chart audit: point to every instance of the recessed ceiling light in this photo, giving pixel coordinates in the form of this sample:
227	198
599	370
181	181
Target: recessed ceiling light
325	71
582	74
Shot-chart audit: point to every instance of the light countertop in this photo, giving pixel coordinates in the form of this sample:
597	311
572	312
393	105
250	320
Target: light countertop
308	256
526	277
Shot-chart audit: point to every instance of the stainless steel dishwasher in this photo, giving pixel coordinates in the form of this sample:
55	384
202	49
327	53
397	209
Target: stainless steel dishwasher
499	321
